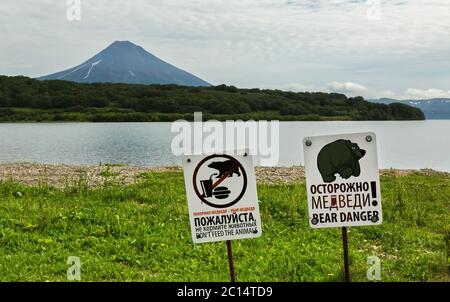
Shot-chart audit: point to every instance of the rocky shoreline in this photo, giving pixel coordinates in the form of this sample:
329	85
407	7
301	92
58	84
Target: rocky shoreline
93	176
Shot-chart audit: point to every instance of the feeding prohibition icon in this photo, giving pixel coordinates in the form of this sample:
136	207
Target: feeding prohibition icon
220	181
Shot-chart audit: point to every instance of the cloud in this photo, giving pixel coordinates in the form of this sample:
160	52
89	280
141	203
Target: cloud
431	93
295	87
348	88
354	89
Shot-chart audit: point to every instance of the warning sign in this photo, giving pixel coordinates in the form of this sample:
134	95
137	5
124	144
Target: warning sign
342	180
222	198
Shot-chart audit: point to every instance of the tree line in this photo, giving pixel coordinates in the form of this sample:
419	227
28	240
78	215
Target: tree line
23	98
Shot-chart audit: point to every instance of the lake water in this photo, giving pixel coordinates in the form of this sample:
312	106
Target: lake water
405	145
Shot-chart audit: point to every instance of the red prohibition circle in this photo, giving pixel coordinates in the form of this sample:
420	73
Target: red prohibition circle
220	206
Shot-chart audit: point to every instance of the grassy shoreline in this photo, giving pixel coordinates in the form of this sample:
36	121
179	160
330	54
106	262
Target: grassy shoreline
101	115
140	232
61	175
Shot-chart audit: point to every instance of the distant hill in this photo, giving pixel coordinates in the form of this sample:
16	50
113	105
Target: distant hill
25	99
433	108
125	62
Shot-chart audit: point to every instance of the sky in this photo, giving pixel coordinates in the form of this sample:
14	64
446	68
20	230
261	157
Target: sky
372	48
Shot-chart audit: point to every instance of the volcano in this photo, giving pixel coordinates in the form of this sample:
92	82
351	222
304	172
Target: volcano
125	62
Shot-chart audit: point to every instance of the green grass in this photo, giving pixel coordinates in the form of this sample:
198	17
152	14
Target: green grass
141	233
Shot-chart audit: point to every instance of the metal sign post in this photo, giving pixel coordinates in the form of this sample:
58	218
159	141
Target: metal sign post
346	262
231	261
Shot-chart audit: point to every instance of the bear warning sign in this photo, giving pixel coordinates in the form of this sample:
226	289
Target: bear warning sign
222	198
342	180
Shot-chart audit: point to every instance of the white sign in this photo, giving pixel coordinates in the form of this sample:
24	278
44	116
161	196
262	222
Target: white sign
342	180
222	198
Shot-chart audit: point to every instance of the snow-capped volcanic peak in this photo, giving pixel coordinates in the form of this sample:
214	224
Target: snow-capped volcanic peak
125	62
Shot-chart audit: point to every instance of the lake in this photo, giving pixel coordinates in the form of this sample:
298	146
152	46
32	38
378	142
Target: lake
403	145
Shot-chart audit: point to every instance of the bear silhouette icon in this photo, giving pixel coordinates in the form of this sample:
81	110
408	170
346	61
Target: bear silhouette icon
224	167
341	157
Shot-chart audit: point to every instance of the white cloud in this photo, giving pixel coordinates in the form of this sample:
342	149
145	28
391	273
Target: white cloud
295	87
347	88
354	89
431	93
350	89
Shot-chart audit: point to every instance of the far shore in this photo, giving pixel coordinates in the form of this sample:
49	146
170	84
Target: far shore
60	175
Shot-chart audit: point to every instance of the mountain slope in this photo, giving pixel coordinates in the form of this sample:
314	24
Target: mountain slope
432	108
125	62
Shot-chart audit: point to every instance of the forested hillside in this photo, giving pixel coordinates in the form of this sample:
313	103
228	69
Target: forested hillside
26	99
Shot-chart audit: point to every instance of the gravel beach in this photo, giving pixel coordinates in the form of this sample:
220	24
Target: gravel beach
63	175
